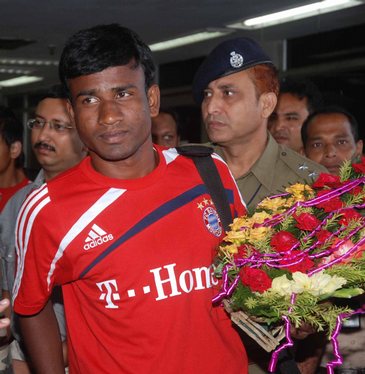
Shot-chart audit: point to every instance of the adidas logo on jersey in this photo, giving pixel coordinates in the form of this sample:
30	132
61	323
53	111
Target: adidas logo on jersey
96	236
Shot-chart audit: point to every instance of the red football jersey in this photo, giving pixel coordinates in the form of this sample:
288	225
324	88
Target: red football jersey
134	261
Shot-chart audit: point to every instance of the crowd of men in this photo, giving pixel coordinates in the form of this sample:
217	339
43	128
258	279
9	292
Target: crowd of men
123	223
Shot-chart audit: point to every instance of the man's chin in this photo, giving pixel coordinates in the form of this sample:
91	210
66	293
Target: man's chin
283	141
334	170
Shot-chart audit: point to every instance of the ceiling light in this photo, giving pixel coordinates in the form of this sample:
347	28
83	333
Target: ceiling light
15	61
14	71
25	79
189	39
293	14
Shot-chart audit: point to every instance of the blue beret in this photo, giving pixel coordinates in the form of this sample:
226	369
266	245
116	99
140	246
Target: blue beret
229	57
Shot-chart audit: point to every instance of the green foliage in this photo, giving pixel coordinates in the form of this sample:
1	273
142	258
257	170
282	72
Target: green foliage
322	316
346	171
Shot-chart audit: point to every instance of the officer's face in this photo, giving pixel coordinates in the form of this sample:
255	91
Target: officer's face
231	110
330	141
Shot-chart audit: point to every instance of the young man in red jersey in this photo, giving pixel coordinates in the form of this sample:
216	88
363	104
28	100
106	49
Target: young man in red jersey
130	233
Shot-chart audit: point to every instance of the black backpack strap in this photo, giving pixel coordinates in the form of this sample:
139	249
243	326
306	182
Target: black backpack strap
201	155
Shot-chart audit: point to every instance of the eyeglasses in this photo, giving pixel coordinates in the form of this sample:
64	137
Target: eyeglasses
38	124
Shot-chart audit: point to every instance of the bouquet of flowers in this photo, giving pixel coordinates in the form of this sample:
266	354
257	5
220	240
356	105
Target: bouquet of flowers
287	262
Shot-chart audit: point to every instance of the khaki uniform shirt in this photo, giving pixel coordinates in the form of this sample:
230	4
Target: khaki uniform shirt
277	168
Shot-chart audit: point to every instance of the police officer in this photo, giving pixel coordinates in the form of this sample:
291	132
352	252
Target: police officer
237	87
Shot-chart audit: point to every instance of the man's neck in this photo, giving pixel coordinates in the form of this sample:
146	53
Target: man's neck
137	166
11	177
241	157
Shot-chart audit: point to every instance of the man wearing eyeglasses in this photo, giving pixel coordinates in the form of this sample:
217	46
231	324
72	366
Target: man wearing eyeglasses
57	147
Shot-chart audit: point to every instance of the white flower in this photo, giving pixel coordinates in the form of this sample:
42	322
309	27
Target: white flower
318	284
282	285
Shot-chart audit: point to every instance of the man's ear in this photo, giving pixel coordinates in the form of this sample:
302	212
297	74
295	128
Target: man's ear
70	110
153	96
268	102
15	150
359	148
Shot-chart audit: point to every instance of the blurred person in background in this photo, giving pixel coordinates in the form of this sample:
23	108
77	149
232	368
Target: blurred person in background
296	100
330	137
57	147
165	129
12	175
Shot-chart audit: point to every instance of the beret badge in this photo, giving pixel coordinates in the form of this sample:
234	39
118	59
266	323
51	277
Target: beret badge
236	60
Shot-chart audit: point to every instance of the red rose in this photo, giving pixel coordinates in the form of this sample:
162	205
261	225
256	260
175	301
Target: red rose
356	190
306	221
297	263
329	205
283	241
327	180
242	252
257	280
349	215
323	235
360	168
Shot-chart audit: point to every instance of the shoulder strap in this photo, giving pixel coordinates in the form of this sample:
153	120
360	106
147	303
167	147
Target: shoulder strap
201	155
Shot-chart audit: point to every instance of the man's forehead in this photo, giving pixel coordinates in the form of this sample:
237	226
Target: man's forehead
230	80
320	126
52	103
111	78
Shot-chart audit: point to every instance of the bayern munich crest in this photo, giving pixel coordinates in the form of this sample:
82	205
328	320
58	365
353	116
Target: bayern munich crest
236	60
212	221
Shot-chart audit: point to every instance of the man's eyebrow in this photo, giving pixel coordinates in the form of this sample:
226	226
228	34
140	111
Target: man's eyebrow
123	88
226	85
94	91
38	115
90	92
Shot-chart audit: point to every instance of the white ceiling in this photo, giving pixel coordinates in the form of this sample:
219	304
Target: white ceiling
49	22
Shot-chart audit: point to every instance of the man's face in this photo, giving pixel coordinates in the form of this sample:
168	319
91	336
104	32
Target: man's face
287	119
55	151
113	114
231	111
330	141
164	130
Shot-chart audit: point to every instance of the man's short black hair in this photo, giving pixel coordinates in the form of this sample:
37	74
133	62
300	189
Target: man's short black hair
95	49
331	109
302	88
11	130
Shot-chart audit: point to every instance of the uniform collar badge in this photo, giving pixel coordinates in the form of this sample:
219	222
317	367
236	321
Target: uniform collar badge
313	175
303	167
